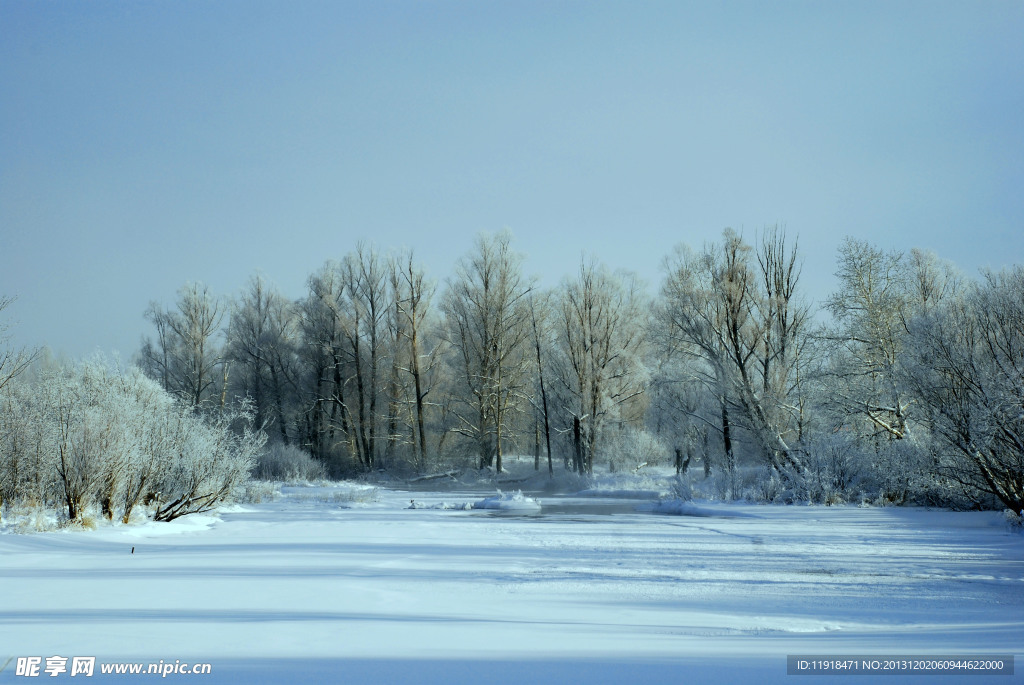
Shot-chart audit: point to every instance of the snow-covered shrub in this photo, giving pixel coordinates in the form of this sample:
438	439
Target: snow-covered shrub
257	492
209	459
682	488
288	463
26	468
94	435
356	493
764	485
108	432
898	473
720	485
92	420
833	472
633	448
31	519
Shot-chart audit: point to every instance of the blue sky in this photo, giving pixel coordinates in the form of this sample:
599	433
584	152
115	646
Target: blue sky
146	144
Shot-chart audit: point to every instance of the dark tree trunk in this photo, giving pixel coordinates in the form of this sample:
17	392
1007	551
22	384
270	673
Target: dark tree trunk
577	442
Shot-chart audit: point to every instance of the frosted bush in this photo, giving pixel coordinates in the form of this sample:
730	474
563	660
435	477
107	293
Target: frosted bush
832	474
257	492
95	440
682	488
634	448
210	458
289	464
765	486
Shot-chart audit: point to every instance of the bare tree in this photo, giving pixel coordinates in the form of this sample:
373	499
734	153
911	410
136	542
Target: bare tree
738	310
185	357
786	338
345	321
260	343
879	293
966	366
12	361
601	330
366	301
541	333
488	325
412	298
328	417
689	318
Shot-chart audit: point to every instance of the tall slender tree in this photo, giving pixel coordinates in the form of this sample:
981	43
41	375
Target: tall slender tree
186	356
601	332
488	327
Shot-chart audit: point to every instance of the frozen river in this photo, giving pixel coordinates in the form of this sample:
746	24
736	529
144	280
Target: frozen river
350	584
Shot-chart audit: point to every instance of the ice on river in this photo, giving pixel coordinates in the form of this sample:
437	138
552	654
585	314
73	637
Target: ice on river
328	584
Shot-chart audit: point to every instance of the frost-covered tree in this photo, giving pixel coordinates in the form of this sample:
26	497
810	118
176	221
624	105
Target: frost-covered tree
601	328
12	361
65	402
687	319
415	348
366	303
738	310
26	447
879	293
21	446
261	342
185	356
680	410
487	321
869	311
966	368
151	412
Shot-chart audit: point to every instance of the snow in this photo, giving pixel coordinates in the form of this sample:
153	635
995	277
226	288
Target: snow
351	583
515	501
684	508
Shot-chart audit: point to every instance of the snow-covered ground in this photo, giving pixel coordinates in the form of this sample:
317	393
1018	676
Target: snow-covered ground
354	584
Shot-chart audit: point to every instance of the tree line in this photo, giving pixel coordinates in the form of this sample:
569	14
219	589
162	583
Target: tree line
907	387
910	390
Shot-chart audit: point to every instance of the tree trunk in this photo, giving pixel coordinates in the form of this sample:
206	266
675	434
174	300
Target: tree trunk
536	444
577	442
727	437
280	404
421	433
543	391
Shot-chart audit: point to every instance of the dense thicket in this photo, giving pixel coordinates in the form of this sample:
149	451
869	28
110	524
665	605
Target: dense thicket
92	435
905	387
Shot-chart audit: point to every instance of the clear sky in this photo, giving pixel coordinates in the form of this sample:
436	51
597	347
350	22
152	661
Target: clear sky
146	144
